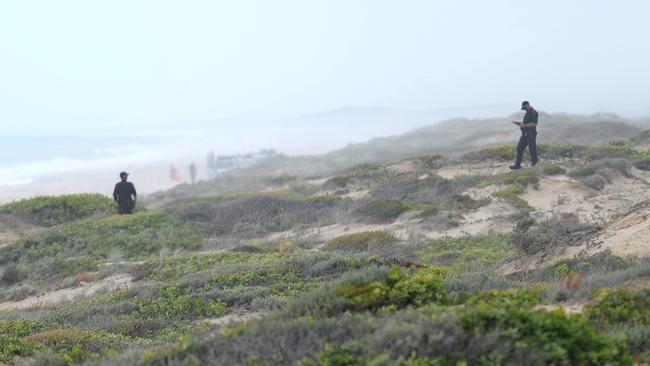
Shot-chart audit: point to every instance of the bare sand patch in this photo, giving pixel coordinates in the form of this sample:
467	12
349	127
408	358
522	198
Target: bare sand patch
234	319
486	168
113	283
404	167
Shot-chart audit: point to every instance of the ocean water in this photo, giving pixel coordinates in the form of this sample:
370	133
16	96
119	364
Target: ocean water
26	158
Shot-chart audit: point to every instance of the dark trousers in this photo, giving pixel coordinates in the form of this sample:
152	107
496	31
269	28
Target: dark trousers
527	140
125	207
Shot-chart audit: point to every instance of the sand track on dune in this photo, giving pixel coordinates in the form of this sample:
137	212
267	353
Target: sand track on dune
108	284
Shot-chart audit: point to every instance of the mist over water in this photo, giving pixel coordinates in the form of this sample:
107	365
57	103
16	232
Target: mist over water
173	81
30	157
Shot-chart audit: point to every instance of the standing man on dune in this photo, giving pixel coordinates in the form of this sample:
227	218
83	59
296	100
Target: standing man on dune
124	194
528	135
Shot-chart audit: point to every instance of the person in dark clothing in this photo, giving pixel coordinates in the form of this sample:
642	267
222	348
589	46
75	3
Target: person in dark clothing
124	194
528	135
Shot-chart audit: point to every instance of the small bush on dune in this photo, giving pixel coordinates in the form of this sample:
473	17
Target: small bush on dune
257	215
364	169
380	210
323	265
337	182
582	172
175	305
370	290
283	179
503	152
11	347
521	177
643	164
511	194
11	275
430	190
555	337
137	236
56	210
429	210
360	242
595	181
615	150
467	254
530	237
557	151
76	345
553	169
620	306
612	166
515	298
605	270
601	172
502	329
602	262
20	327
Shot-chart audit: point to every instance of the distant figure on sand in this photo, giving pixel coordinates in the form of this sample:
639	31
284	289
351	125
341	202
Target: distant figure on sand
173	174
528	135
124	194
193	173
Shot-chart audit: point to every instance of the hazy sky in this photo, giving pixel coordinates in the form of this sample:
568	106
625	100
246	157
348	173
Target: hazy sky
65	63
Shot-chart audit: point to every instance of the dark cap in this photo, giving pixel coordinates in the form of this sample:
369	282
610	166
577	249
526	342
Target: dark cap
123	174
524	104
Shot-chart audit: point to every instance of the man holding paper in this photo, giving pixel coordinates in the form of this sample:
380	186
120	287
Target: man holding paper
528	135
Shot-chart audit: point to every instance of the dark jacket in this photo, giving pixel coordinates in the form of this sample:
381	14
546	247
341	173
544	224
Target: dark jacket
124	192
530	117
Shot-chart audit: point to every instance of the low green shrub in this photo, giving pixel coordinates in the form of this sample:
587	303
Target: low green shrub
595	181
555	337
523	298
530	238
11	346
175	305
429	210
603	262
583	171
283	179
254	216
431	189
339	181
76	345
505	152
643	164
467	254
11	275
418	290
380	210
556	151
600	172
360	242
615	149
364	169
511	194
521	177
395	289
20	327
370	289
135	236
323	200
620	306
553	169
178	266
56	210
281	280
